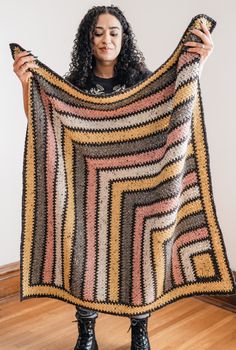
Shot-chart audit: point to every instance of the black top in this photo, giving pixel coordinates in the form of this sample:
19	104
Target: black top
107	85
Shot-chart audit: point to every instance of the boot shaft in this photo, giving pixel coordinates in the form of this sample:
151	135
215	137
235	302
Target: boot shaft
139	334
86	329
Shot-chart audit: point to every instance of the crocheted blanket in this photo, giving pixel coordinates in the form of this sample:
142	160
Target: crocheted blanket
118	214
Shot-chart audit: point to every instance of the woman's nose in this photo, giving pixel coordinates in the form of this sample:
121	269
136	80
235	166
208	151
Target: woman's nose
106	38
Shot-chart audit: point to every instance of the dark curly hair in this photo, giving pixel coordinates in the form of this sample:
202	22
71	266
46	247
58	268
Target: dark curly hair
130	67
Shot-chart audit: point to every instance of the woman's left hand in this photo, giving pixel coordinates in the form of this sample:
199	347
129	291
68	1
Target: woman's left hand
205	48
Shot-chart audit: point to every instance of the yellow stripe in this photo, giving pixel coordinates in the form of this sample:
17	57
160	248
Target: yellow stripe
119	308
160	236
122	135
70	211
201	157
190	149
117	189
224	285
203	265
29	198
53	79
186	91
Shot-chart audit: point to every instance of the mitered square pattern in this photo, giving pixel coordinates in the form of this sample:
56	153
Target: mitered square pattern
118	213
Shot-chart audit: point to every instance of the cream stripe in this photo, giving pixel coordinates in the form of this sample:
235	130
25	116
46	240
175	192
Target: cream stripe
126	121
169	219
117	189
60	196
224	284
148	281
159	238
154	223
185	254
73	91
189	71
122	135
104	178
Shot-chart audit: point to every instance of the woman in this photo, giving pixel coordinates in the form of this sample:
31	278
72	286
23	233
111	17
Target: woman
105	59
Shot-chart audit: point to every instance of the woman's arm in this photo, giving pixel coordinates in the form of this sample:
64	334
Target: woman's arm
22	62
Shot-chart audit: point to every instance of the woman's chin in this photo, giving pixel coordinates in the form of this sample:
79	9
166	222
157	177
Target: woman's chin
105	58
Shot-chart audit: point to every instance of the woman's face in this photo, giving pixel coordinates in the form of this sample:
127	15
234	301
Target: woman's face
107	41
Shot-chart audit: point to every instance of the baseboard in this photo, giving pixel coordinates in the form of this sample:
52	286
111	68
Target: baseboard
9	280
10	285
226	302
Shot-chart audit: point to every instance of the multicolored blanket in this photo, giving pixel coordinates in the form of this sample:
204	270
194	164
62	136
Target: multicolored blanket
118	213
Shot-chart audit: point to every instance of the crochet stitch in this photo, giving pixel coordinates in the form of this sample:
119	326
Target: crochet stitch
118	214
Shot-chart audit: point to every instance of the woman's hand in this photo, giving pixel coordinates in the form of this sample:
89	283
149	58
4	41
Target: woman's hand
22	62
205	48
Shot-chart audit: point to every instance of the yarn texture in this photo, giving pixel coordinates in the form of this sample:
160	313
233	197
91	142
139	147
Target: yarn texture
118	213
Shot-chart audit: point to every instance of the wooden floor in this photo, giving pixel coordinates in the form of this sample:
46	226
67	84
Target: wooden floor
46	324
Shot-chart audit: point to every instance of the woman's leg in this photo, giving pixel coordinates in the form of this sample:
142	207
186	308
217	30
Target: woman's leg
83	312
86	328
139	334
146	314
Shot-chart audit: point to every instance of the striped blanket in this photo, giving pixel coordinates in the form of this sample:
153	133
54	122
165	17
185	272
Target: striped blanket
118	214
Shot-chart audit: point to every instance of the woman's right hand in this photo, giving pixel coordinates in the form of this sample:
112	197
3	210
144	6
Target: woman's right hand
22	62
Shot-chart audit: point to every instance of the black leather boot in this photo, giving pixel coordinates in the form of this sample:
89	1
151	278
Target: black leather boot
139	334
86	329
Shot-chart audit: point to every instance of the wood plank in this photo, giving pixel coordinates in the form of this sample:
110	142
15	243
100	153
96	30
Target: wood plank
46	324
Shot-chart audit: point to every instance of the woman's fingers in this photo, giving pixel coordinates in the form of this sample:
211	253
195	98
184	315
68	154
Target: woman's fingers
198	45
23	61
22	54
197	50
205	39
20	61
22	70
26	65
205	48
206	30
205	36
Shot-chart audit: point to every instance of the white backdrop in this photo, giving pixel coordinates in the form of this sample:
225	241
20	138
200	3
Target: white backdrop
48	29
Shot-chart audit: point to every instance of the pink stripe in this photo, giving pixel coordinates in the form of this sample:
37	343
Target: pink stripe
189	179
132	108
50	174
184	239
140	214
92	165
89	277
186	57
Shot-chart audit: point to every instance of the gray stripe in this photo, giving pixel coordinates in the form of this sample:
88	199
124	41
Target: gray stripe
79	244
112	124
158	84
193	222
130	201
80	152
40	188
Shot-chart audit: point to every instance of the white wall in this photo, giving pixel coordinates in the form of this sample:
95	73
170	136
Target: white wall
48	28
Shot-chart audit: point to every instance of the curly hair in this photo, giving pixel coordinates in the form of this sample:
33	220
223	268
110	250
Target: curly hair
130	67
